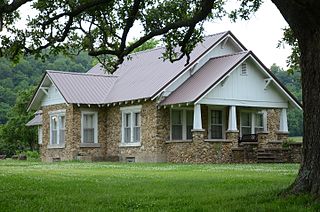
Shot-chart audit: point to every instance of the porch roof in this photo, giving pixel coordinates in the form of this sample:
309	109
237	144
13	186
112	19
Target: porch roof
207	76
37	119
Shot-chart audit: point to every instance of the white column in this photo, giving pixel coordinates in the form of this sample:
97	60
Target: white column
283	121
197	122
232	125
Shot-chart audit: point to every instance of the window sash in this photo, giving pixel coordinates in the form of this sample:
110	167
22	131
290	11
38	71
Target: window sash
89	127
252	122
131	126
57	129
216	124
181	124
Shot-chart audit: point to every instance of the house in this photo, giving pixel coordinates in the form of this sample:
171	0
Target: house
152	110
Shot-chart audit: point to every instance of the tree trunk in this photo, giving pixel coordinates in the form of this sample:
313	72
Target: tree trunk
303	18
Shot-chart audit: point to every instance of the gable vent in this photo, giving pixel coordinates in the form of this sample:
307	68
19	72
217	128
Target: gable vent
244	70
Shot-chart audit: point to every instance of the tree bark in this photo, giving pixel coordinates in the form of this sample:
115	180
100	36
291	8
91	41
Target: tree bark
303	18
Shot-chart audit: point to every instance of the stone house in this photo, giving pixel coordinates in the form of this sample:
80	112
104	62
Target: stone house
152	110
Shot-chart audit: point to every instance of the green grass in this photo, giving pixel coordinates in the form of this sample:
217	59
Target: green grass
76	186
296	139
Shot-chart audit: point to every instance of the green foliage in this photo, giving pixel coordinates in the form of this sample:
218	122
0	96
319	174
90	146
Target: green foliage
101	27
150	44
292	80
74	186
17	85
28	72
31	155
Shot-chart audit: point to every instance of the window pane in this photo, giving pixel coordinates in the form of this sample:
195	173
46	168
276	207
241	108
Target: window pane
88	128
136	134
137	119
61	136
189	123
216	124
54	128
127	135
246	130
259	120
127	120
62	122
88	135
216	117
245	119
176	117
216	131
88	120
177	132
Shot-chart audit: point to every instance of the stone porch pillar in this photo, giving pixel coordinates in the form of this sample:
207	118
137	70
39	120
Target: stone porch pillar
197	131
232	133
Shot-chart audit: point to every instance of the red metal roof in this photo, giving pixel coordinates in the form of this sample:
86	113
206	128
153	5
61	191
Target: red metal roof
209	74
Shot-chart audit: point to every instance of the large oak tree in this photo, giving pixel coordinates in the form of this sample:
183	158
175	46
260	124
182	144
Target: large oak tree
101	28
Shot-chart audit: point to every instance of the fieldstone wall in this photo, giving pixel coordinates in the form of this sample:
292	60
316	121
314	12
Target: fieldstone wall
154	132
72	149
198	150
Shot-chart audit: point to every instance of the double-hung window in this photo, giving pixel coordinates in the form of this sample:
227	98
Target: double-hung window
57	127
216	124
89	127
252	122
131	125
181	124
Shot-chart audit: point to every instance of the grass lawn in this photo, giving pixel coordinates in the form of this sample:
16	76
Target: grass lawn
296	138
76	186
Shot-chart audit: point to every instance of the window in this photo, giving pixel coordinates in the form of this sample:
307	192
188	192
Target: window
252	122
259	126
131	125
181	124
57	127
89	127
177	126
246	123
216	124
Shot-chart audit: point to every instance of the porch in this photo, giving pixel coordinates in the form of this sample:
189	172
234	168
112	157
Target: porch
212	134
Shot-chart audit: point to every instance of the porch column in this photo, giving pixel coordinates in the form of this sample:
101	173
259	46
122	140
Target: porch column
232	125
197	122
283	121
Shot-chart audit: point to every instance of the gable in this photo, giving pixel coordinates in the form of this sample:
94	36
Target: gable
255	89
227	46
52	97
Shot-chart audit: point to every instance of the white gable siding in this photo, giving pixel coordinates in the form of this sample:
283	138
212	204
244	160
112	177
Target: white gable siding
225	47
246	90
54	97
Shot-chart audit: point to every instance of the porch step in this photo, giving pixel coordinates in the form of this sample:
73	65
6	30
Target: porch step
264	156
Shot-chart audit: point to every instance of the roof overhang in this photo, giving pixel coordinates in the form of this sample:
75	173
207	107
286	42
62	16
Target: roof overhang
41	91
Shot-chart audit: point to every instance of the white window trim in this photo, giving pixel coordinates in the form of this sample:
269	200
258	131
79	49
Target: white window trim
223	111
56	113
132	110
95	117
253	113
184	123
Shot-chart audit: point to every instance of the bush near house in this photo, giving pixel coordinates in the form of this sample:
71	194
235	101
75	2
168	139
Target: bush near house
82	186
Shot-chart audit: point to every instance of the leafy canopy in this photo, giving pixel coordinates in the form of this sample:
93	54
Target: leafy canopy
101	27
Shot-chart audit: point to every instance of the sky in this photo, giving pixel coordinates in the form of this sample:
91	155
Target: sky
260	34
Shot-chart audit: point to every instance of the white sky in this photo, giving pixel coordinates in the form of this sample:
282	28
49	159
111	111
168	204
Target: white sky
260	34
